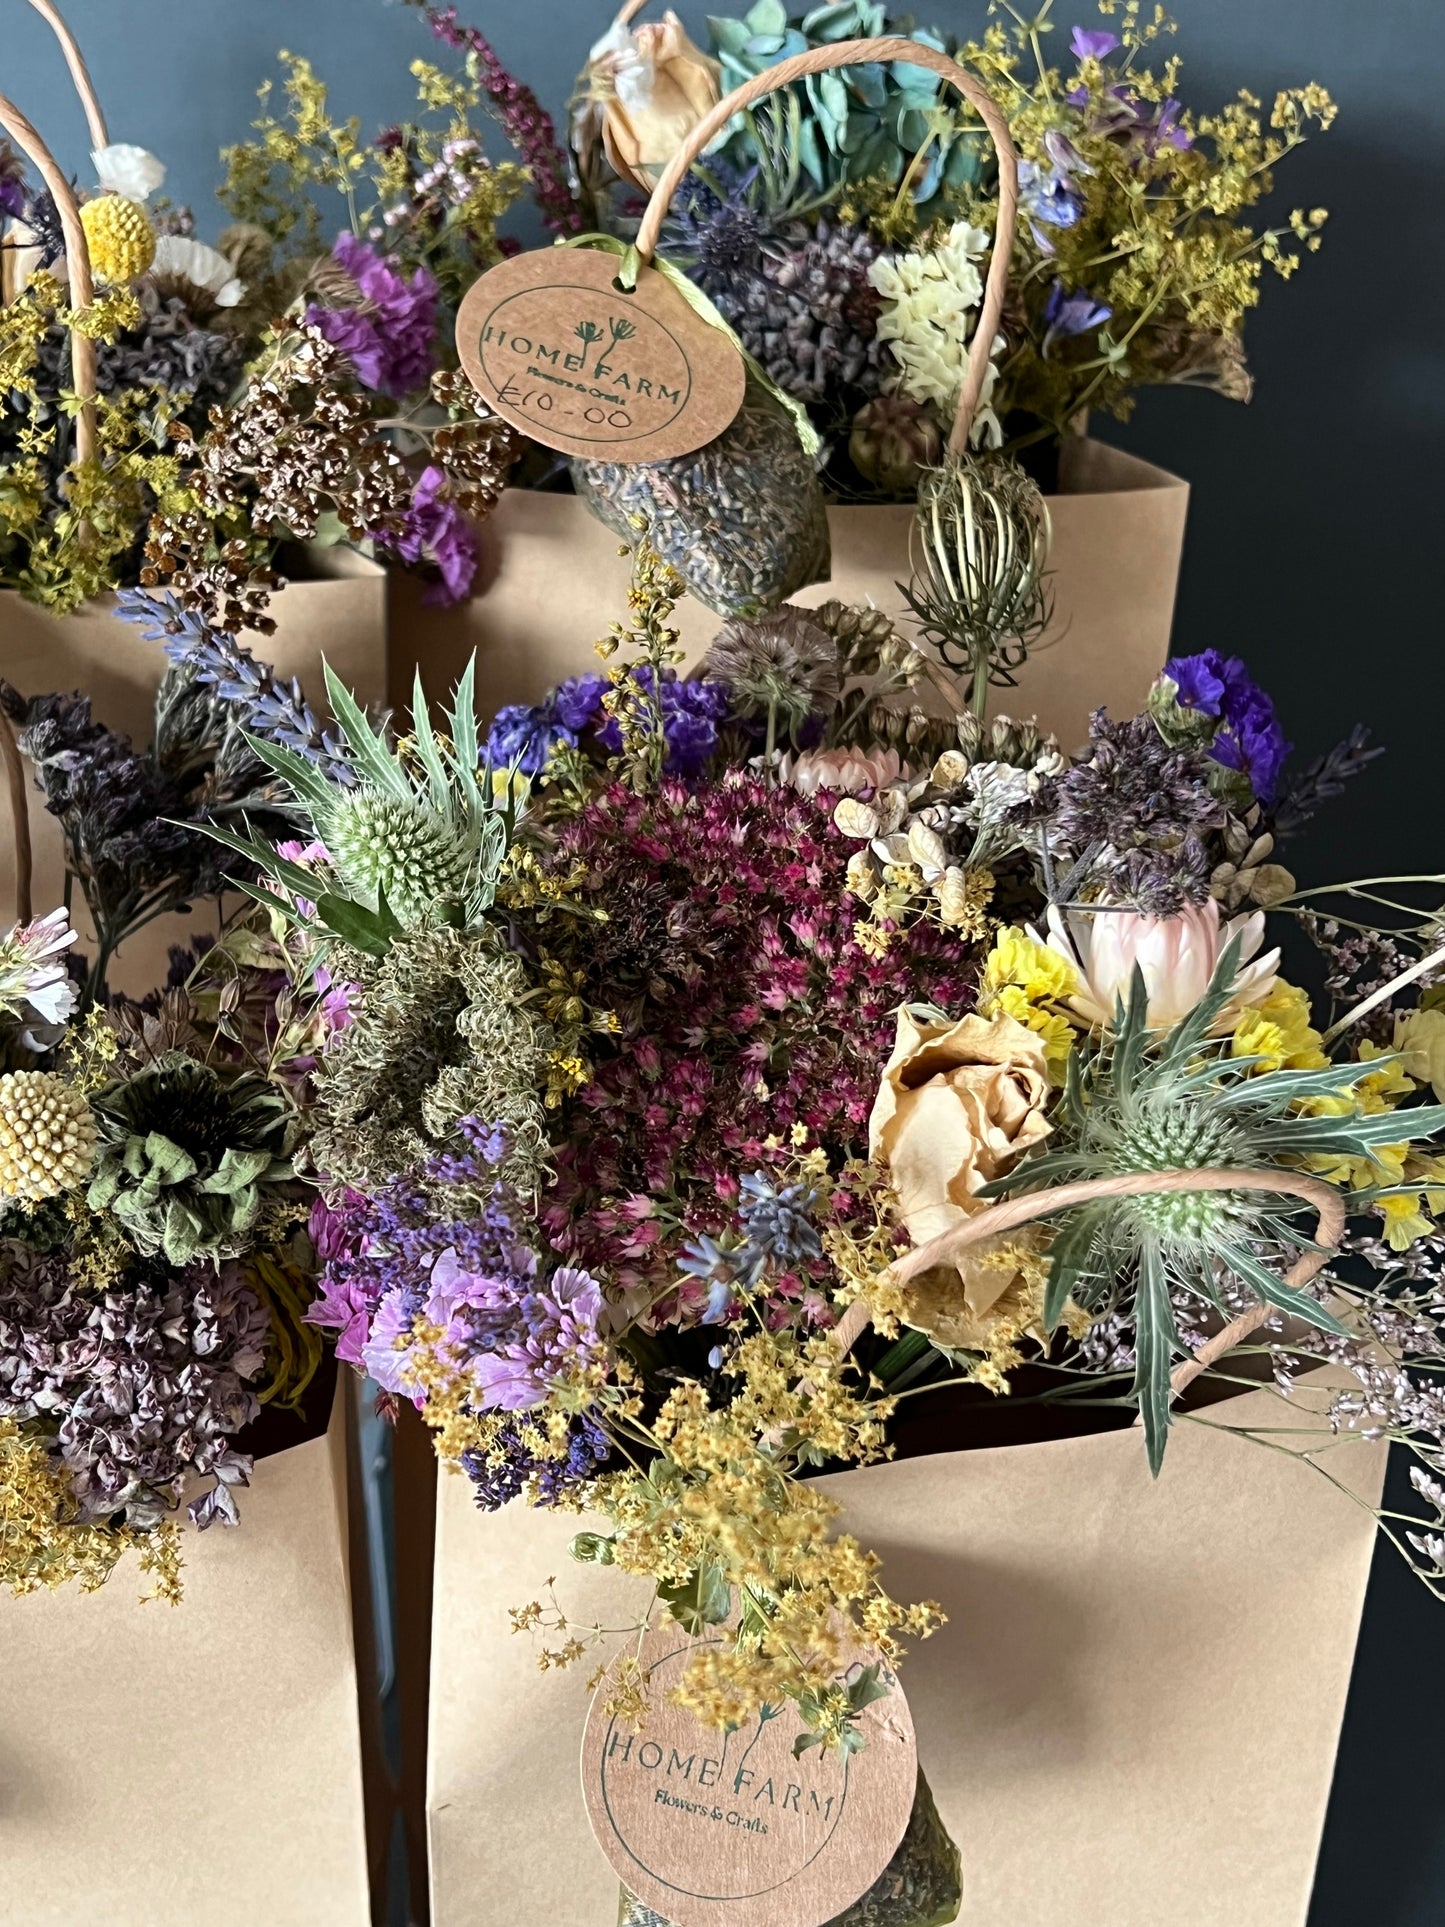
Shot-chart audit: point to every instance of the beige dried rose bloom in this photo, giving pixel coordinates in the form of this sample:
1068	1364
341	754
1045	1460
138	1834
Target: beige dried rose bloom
959	1105
652	85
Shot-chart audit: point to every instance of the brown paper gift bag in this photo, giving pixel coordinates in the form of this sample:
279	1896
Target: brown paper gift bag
196	1765
337	611
1131	1715
551	578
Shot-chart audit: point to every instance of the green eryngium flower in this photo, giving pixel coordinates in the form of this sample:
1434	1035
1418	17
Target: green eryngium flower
416	839
1141	1103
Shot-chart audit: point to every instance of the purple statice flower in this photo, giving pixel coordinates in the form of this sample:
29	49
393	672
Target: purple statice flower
1247	736
390	337
525	735
1049	195
508	1327
435	530
1125	118
12	193
525	121
1069	313
1087	45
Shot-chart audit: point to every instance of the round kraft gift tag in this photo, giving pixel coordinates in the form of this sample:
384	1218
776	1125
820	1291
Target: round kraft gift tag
583	366
714	1829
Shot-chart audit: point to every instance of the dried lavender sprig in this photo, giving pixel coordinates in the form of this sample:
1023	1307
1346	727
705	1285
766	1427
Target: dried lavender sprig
1325	779
272	708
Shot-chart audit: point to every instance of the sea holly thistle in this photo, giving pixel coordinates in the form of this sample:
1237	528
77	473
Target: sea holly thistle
1142	1103
417	837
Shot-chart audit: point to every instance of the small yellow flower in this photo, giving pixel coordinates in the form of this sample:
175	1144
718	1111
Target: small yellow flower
121	240
1404	1220
1278	1029
1039	972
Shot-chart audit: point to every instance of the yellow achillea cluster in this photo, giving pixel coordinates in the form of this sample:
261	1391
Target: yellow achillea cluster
721	1515
1030	982
44	1547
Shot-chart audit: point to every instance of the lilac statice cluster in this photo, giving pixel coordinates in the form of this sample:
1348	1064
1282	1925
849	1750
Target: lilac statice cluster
524	736
1246	734
387	327
393	1267
142	1387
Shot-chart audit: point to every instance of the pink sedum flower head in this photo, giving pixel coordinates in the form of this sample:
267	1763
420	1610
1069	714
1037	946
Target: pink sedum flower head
849	772
1177	955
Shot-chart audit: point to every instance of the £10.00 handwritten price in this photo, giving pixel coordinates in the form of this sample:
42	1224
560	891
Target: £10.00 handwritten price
543	401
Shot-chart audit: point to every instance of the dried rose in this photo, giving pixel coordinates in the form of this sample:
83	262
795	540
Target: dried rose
653	86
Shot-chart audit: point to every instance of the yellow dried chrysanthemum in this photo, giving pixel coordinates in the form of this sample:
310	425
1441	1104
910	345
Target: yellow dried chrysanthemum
47	1136
121	239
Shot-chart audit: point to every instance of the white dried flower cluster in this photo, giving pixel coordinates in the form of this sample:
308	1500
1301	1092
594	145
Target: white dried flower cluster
930	303
47	1136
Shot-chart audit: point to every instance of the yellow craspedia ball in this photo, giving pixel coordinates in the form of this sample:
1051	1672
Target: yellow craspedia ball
47	1136
121	239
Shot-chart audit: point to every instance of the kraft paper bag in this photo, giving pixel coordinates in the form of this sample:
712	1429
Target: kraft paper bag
1131	1715
196	1765
552	580
339	614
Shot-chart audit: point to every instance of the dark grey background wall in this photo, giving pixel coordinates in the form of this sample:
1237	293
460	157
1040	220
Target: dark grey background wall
1314	537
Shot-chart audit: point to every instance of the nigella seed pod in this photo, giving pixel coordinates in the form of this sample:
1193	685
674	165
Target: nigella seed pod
979	550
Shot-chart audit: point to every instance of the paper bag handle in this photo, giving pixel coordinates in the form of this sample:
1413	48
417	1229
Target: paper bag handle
855	53
79	72
1010	1213
77	255
19	817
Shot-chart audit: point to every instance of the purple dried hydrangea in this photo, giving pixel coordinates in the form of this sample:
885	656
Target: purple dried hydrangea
144	1386
434	529
526	734
1247	735
390	337
394	1263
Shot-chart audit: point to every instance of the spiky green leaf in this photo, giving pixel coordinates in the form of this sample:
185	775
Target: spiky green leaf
1274	1290
1068	1256
368	751
1156	1344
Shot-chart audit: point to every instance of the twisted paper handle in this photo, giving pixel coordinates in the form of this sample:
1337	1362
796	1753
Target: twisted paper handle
79	72
856	53
1008	1215
19	818
77	255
